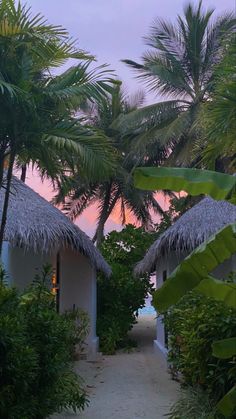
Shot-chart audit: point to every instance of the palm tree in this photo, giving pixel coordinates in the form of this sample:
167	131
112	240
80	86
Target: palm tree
39	120
118	190
218	117
180	67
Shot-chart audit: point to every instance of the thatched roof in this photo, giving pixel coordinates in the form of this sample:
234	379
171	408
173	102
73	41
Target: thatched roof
189	231
34	223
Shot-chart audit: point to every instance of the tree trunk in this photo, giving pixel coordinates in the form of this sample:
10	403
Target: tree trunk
6	199
2	159
1	168
107	210
99	234
23	173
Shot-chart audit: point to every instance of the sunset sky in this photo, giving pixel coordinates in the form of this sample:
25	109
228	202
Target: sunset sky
111	30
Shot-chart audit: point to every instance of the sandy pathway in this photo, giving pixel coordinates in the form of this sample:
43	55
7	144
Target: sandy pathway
128	385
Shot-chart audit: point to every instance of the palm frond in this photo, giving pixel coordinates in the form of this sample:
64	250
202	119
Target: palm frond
149	116
136	100
193	29
80	82
92	147
218	32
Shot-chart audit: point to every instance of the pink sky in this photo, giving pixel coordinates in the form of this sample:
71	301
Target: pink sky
114	29
111	30
87	221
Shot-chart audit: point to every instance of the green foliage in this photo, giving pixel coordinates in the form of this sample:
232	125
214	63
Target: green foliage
39	110
179	64
194	272
120	296
218	116
193	325
192	181
193	403
219	290
224	348
227	404
37	346
118	191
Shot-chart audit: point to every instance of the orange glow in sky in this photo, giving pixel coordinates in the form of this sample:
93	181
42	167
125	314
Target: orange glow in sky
87	221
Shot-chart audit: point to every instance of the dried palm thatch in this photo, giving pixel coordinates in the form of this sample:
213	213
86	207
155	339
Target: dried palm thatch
35	224
189	231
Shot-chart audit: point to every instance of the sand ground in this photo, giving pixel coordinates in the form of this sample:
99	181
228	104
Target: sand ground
128	385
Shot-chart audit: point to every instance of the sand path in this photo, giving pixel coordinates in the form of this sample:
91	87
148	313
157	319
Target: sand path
128	385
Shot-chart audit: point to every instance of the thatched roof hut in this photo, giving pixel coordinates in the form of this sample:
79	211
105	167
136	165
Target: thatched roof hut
189	231
34	224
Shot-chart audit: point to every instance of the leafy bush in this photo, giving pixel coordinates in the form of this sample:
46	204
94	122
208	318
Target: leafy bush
194	403
36	353
120	296
193	325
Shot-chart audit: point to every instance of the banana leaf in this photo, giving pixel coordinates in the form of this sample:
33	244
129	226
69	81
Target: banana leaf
224	348
193	181
196	267
219	290
227	405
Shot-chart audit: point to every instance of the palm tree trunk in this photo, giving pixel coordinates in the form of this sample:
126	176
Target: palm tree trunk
6	199
107	210
99	234
23	173
1	167
2	159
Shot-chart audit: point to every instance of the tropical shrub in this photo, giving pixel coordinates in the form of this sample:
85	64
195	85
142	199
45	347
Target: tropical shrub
194	403
194	323
193	272
120	296
36	354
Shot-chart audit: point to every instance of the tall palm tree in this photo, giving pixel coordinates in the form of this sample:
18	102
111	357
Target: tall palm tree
179	67
31	97
118	191
38	110
218	117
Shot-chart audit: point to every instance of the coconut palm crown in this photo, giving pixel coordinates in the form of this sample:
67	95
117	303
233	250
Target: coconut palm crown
39	110
179	66
119	191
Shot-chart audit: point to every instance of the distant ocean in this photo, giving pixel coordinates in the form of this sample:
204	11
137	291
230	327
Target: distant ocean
148	309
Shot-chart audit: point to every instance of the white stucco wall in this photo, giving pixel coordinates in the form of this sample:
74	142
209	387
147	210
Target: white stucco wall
21	266
78	286
169	264
78	289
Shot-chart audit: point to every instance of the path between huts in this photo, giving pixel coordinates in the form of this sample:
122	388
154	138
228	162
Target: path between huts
128	385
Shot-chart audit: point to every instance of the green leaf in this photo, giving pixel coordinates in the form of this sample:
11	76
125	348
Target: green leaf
196	267
227	404
193	181
224	348
219	290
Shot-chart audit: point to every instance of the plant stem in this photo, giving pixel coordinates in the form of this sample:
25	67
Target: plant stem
6	199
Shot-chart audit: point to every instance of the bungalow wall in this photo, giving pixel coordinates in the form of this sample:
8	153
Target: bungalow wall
78	289
164	269
77	282
22	266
